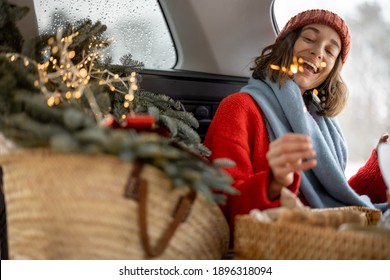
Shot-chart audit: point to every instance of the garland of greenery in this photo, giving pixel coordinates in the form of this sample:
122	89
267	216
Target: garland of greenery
35	113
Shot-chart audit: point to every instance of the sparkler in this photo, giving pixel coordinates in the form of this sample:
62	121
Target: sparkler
295	67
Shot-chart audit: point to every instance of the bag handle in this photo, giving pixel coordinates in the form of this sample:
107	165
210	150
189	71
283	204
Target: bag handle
137	188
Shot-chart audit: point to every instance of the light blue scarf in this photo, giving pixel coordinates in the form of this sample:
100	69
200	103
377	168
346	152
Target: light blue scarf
283	108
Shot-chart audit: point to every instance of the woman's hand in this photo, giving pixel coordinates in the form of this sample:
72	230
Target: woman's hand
288	154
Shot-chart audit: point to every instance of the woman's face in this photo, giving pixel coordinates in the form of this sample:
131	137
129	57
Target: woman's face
317	48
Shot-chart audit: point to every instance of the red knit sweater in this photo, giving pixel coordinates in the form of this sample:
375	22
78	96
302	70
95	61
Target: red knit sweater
238	132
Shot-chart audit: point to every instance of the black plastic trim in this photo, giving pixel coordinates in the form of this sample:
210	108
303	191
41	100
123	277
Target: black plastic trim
200	93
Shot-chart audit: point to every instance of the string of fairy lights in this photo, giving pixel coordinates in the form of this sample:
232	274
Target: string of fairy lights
59	69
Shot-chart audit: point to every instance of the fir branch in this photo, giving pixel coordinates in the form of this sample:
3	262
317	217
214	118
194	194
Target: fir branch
186	134
31	132
170	124
163	102
34	47
14	75
154	111
10	37
90	36
36	107
186	117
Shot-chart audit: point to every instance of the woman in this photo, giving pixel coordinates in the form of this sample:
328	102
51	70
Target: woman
280	129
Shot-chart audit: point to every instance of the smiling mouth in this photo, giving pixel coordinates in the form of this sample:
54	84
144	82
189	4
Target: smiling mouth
310	67
300	65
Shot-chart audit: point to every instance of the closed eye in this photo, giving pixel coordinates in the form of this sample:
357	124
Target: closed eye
307	39
330	52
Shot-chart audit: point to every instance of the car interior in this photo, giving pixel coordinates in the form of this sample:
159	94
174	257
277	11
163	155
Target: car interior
205	70
200	51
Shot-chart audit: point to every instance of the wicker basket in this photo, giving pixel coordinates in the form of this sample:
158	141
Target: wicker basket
73	206
372	215
258	240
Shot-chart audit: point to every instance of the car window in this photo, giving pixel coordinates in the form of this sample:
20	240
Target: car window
366	70
137	27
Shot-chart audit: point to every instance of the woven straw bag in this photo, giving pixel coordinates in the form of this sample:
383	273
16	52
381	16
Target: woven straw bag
372	215
283	241
74	206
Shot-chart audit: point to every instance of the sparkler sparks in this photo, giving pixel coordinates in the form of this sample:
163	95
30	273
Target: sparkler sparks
295	67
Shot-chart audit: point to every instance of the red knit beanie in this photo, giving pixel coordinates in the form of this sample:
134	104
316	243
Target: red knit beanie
321	17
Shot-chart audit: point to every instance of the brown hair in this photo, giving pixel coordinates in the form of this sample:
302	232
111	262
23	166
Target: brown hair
333	92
